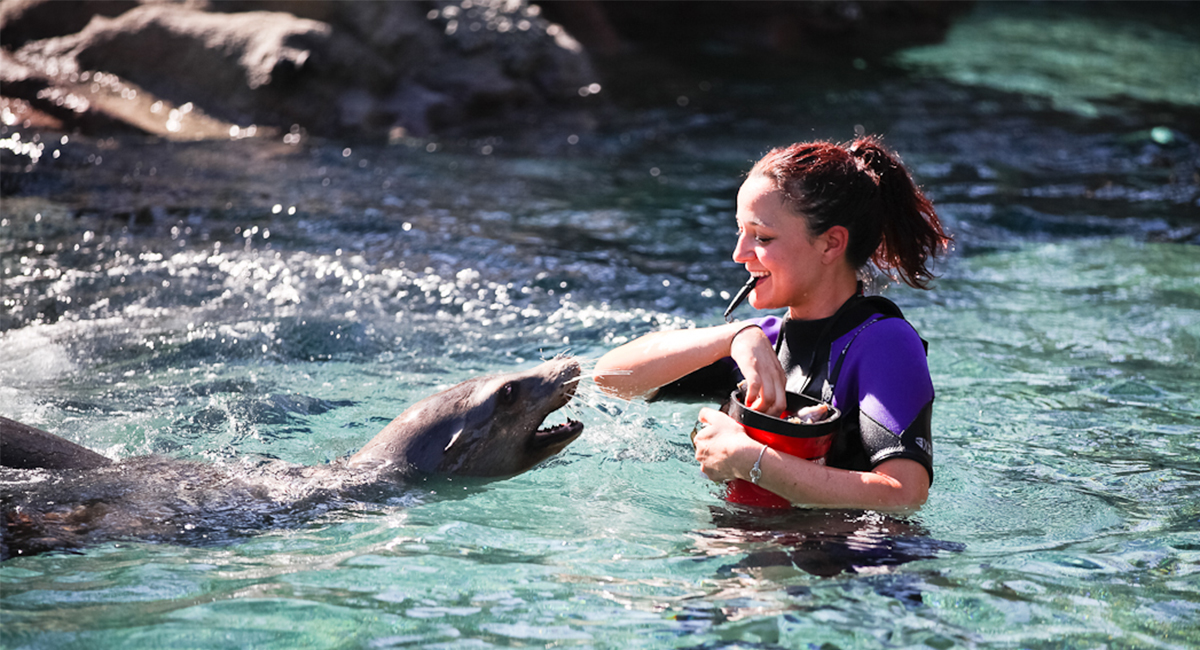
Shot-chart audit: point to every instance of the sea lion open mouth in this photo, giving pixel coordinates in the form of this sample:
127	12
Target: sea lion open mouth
562	384
559	434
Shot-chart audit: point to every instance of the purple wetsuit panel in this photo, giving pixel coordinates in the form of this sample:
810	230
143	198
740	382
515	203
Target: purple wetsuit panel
882	388
886	374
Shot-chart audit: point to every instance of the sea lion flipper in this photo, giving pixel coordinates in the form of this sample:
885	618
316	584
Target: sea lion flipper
26	447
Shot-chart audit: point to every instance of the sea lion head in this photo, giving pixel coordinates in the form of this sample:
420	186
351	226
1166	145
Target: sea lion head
486	427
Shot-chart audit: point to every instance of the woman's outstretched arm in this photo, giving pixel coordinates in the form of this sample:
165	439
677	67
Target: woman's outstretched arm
642	366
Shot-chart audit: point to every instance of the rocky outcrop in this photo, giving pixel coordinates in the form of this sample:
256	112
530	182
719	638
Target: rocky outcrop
199	69
215	68
22	21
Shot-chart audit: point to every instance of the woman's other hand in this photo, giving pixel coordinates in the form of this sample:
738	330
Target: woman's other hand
722	447
725	452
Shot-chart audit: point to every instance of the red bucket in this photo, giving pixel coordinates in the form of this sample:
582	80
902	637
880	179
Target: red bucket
808	441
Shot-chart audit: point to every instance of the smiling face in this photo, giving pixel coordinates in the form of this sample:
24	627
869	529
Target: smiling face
806	274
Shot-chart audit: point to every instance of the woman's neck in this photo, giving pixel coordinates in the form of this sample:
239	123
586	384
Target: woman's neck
826	303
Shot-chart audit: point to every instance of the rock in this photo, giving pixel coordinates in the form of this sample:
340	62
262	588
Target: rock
372	67
327	66
240	68
417	109
34	100
22	21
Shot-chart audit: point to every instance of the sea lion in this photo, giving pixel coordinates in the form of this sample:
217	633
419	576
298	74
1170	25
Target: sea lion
26	447
455	432
69	497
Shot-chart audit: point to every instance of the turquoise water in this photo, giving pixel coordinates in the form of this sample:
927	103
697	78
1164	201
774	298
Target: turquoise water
248	299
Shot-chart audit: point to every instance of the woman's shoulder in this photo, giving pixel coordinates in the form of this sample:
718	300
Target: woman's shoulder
887	360
890	329
885	340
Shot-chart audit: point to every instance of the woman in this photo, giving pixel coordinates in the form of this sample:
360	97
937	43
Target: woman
810	218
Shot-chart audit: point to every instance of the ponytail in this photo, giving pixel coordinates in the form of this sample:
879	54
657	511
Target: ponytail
911	231
865	188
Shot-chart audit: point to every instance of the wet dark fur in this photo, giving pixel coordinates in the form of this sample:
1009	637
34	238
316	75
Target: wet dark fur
486	427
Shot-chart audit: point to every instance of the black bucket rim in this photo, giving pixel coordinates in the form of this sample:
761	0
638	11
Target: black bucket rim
746	416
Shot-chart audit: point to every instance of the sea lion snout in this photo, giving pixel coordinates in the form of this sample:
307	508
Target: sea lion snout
486	427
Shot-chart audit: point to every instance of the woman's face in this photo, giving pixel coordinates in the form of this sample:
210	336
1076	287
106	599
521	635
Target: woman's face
774	245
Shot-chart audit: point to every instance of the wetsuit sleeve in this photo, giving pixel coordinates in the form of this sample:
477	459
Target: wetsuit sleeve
717	380
887	374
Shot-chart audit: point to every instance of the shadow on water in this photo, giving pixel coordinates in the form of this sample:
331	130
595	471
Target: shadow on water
821	543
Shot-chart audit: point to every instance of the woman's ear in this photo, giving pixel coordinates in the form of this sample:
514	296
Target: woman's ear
835	240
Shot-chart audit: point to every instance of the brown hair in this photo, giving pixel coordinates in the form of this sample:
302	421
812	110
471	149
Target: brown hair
864	187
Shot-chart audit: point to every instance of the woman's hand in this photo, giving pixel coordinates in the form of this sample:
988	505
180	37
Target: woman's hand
722	447
766	382
725	452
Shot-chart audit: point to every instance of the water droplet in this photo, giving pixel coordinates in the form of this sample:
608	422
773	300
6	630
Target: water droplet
1162	135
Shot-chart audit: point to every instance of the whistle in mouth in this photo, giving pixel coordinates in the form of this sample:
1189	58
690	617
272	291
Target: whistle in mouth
740	297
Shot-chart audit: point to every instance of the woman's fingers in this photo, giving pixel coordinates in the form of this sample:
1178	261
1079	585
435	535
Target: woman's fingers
712	422
766	381
711	448
754	392
776	388
766	389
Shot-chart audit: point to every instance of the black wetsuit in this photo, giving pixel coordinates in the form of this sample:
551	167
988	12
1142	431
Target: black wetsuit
867	361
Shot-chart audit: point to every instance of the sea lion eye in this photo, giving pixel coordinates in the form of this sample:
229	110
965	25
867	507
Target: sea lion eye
508	393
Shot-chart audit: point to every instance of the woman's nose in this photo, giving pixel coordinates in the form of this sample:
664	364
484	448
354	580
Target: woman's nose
743	252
